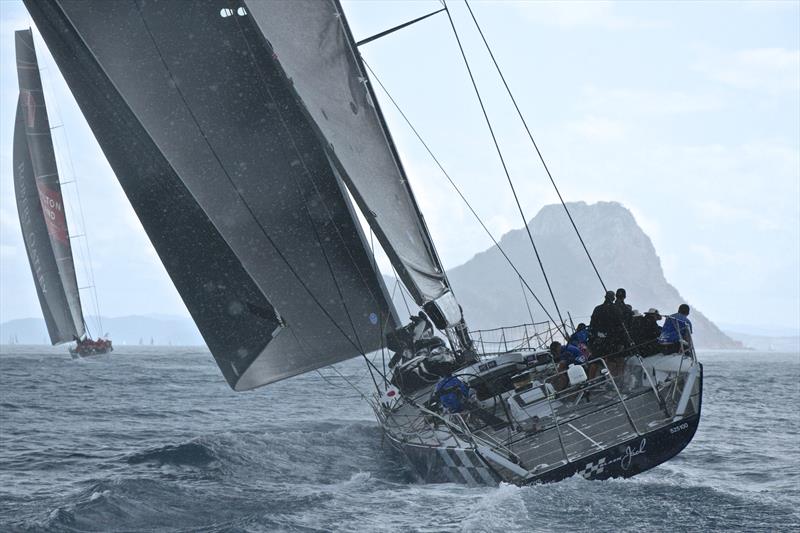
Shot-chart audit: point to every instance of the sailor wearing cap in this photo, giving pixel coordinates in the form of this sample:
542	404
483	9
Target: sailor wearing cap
645	332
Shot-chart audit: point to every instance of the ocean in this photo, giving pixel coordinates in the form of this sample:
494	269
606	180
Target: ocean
152	439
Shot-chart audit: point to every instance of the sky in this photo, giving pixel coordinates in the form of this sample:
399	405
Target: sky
687	113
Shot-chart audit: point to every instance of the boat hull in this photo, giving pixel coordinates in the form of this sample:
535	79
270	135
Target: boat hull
88	352
480	466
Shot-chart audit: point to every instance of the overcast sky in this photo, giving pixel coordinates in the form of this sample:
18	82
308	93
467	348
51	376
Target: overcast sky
688	113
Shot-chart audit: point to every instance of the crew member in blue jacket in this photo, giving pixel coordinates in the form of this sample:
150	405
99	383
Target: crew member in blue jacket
565	356
581	335
677	330
452	394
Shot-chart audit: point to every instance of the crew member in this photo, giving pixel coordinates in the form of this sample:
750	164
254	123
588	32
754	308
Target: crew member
677	331
645	332
565	355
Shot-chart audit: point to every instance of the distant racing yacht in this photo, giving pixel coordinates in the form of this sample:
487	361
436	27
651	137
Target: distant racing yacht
42	214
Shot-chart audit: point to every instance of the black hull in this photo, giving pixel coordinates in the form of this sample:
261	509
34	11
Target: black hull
627	459
88	353
631	458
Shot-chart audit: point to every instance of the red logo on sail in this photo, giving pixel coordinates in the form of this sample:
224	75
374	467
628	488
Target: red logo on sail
53	209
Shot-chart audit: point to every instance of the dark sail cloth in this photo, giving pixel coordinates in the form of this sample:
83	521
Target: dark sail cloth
607	335
645	332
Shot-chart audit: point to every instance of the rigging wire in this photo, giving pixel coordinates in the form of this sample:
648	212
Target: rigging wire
525	295
402	292
339	386
400	27
390	304
67	156
535	146
505	168
300	344
458	191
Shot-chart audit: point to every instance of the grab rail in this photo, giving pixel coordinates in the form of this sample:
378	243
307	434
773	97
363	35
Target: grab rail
434	427
506	339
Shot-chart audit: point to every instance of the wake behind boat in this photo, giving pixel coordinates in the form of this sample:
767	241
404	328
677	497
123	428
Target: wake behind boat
246	135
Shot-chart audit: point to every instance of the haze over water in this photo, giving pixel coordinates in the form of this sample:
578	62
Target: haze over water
151	438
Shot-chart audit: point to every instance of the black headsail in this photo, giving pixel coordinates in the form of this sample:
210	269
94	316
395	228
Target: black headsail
315	48
40	204
228	177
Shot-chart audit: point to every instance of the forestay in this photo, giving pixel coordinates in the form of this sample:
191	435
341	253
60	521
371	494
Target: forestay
229	179
314	47
40	204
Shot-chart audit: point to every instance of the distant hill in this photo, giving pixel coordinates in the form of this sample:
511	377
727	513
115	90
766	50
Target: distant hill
765	343
162	329
490	292
488	289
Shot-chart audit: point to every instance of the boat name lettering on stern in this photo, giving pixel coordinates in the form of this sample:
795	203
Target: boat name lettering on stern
630	453
625	459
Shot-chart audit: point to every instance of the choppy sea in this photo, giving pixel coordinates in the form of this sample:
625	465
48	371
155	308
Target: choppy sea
152	439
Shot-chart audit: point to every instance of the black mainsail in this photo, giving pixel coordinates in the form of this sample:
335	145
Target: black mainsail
313	45
40	204
214	143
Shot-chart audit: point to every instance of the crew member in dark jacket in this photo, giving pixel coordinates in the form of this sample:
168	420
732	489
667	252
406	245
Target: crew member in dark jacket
645	332
625	310
604	327
606	332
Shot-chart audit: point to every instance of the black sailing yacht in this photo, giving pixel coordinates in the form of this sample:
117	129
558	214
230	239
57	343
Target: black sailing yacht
42	212
247	136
